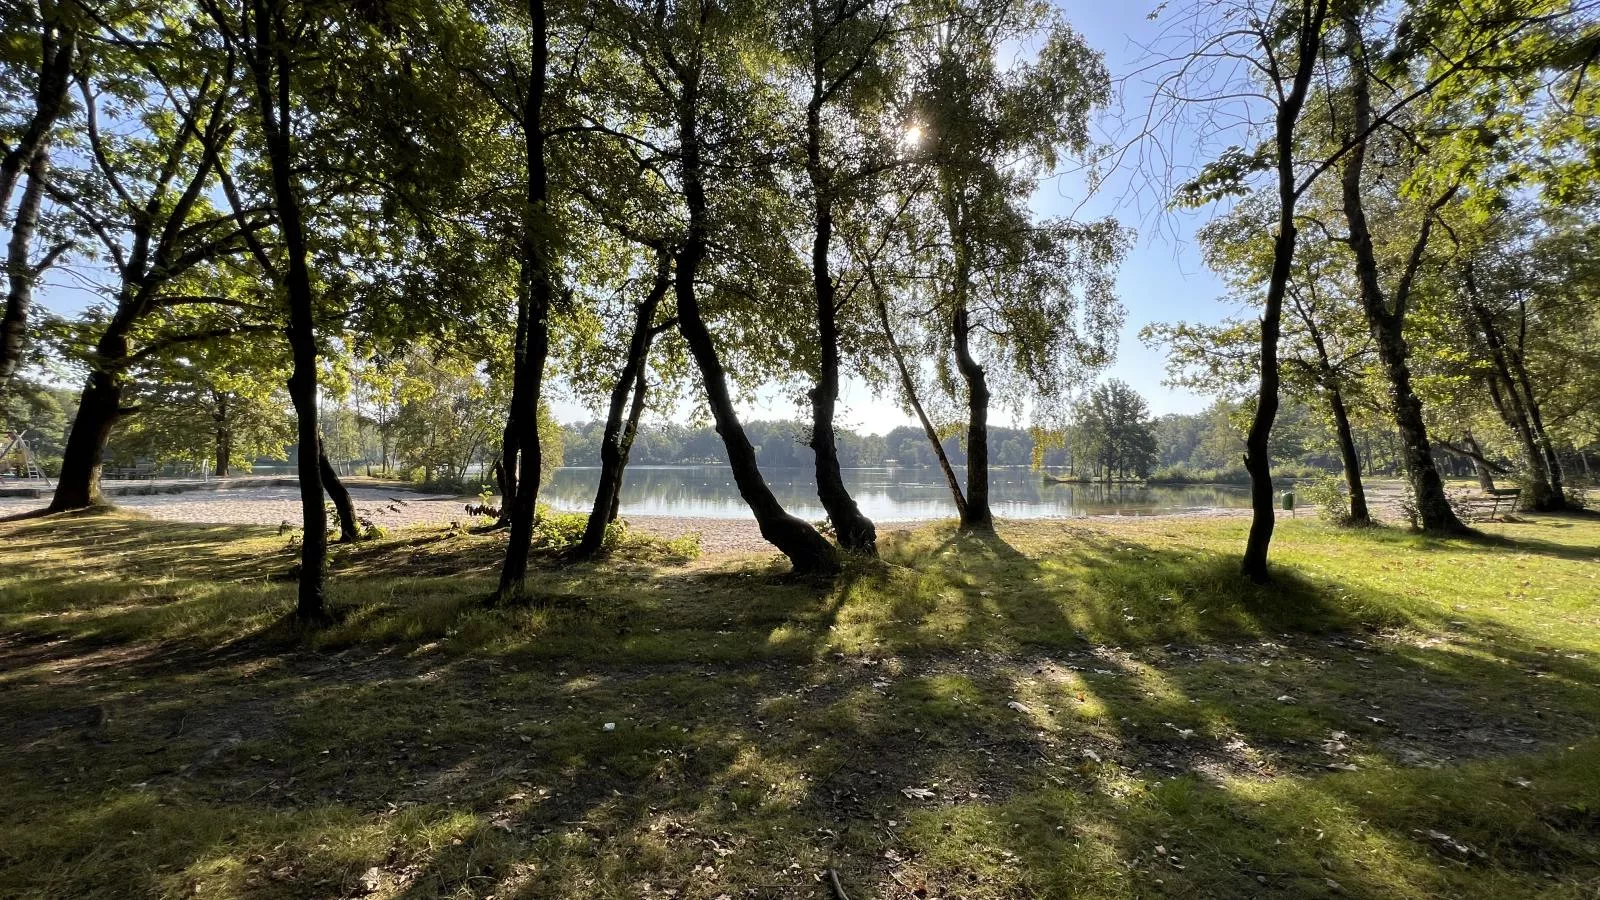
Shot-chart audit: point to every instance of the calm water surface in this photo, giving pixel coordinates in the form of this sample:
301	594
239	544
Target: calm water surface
884	494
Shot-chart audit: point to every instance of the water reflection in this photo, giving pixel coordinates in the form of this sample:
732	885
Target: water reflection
883	494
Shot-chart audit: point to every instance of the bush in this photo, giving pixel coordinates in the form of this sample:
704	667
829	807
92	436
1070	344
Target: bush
1329	494
1183	475
1230	475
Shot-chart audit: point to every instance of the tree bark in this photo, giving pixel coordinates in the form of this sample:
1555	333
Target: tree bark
855	531
976	516
613	455
631	431
99	408
534	285
1539	495
224	450
1485	477
808	551
58	50
1329	376
21	274
349	529
1547	447
506	467
1359	514
272	69
1258	454
1388	325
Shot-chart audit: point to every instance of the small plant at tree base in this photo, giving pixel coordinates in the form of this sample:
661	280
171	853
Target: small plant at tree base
1461	503
825	527
1327	491
1408	506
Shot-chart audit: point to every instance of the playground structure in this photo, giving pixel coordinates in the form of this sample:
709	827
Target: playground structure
17	462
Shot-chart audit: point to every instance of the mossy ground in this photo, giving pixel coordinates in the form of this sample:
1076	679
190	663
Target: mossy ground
1394	717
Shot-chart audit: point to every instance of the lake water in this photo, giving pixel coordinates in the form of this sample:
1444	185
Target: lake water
884	494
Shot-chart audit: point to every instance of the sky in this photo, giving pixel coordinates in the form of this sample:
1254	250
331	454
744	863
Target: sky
1163	278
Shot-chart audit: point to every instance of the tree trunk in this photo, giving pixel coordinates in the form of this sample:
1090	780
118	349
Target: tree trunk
506	467
854	530
534	285
808	551
99	408
976	516
1387	326
1539	494
613	456
631	431
1547	447
1257	456
909	385
58	49
20	270
349	530
224	441
273	64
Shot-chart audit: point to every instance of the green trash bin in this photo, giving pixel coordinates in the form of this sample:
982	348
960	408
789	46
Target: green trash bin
1288	501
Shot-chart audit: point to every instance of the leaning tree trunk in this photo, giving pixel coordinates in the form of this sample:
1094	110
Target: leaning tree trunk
1416	451
349	530
1540	494
99	407
1359	514
909	385
21	273
1485	476
854	530
629	433
613	455
1388	325
808	551
1552	459
535	286
976	516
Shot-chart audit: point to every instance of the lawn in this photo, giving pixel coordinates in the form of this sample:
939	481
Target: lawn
1094	708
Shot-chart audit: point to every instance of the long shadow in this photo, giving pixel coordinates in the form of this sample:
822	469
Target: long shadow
765	729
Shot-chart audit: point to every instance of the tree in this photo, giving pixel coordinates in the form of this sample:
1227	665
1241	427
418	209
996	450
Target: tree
1116	431
841	49
1034	299
145	196
692	52
1323	344
221	400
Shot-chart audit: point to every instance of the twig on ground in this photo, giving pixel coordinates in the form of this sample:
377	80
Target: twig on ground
835	886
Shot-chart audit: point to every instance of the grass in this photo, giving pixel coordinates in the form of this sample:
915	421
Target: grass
1394	717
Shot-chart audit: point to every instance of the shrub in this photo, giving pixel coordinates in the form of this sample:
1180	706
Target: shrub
1329	494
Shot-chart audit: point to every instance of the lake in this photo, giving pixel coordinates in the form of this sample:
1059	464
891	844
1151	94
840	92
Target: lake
884	494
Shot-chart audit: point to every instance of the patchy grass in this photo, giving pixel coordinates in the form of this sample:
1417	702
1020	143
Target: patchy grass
1394	717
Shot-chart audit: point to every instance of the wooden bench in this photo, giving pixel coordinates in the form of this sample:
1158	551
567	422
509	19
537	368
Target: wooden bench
1495	496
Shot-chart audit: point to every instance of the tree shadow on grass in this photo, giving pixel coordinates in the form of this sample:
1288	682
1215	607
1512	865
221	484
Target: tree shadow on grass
766	729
